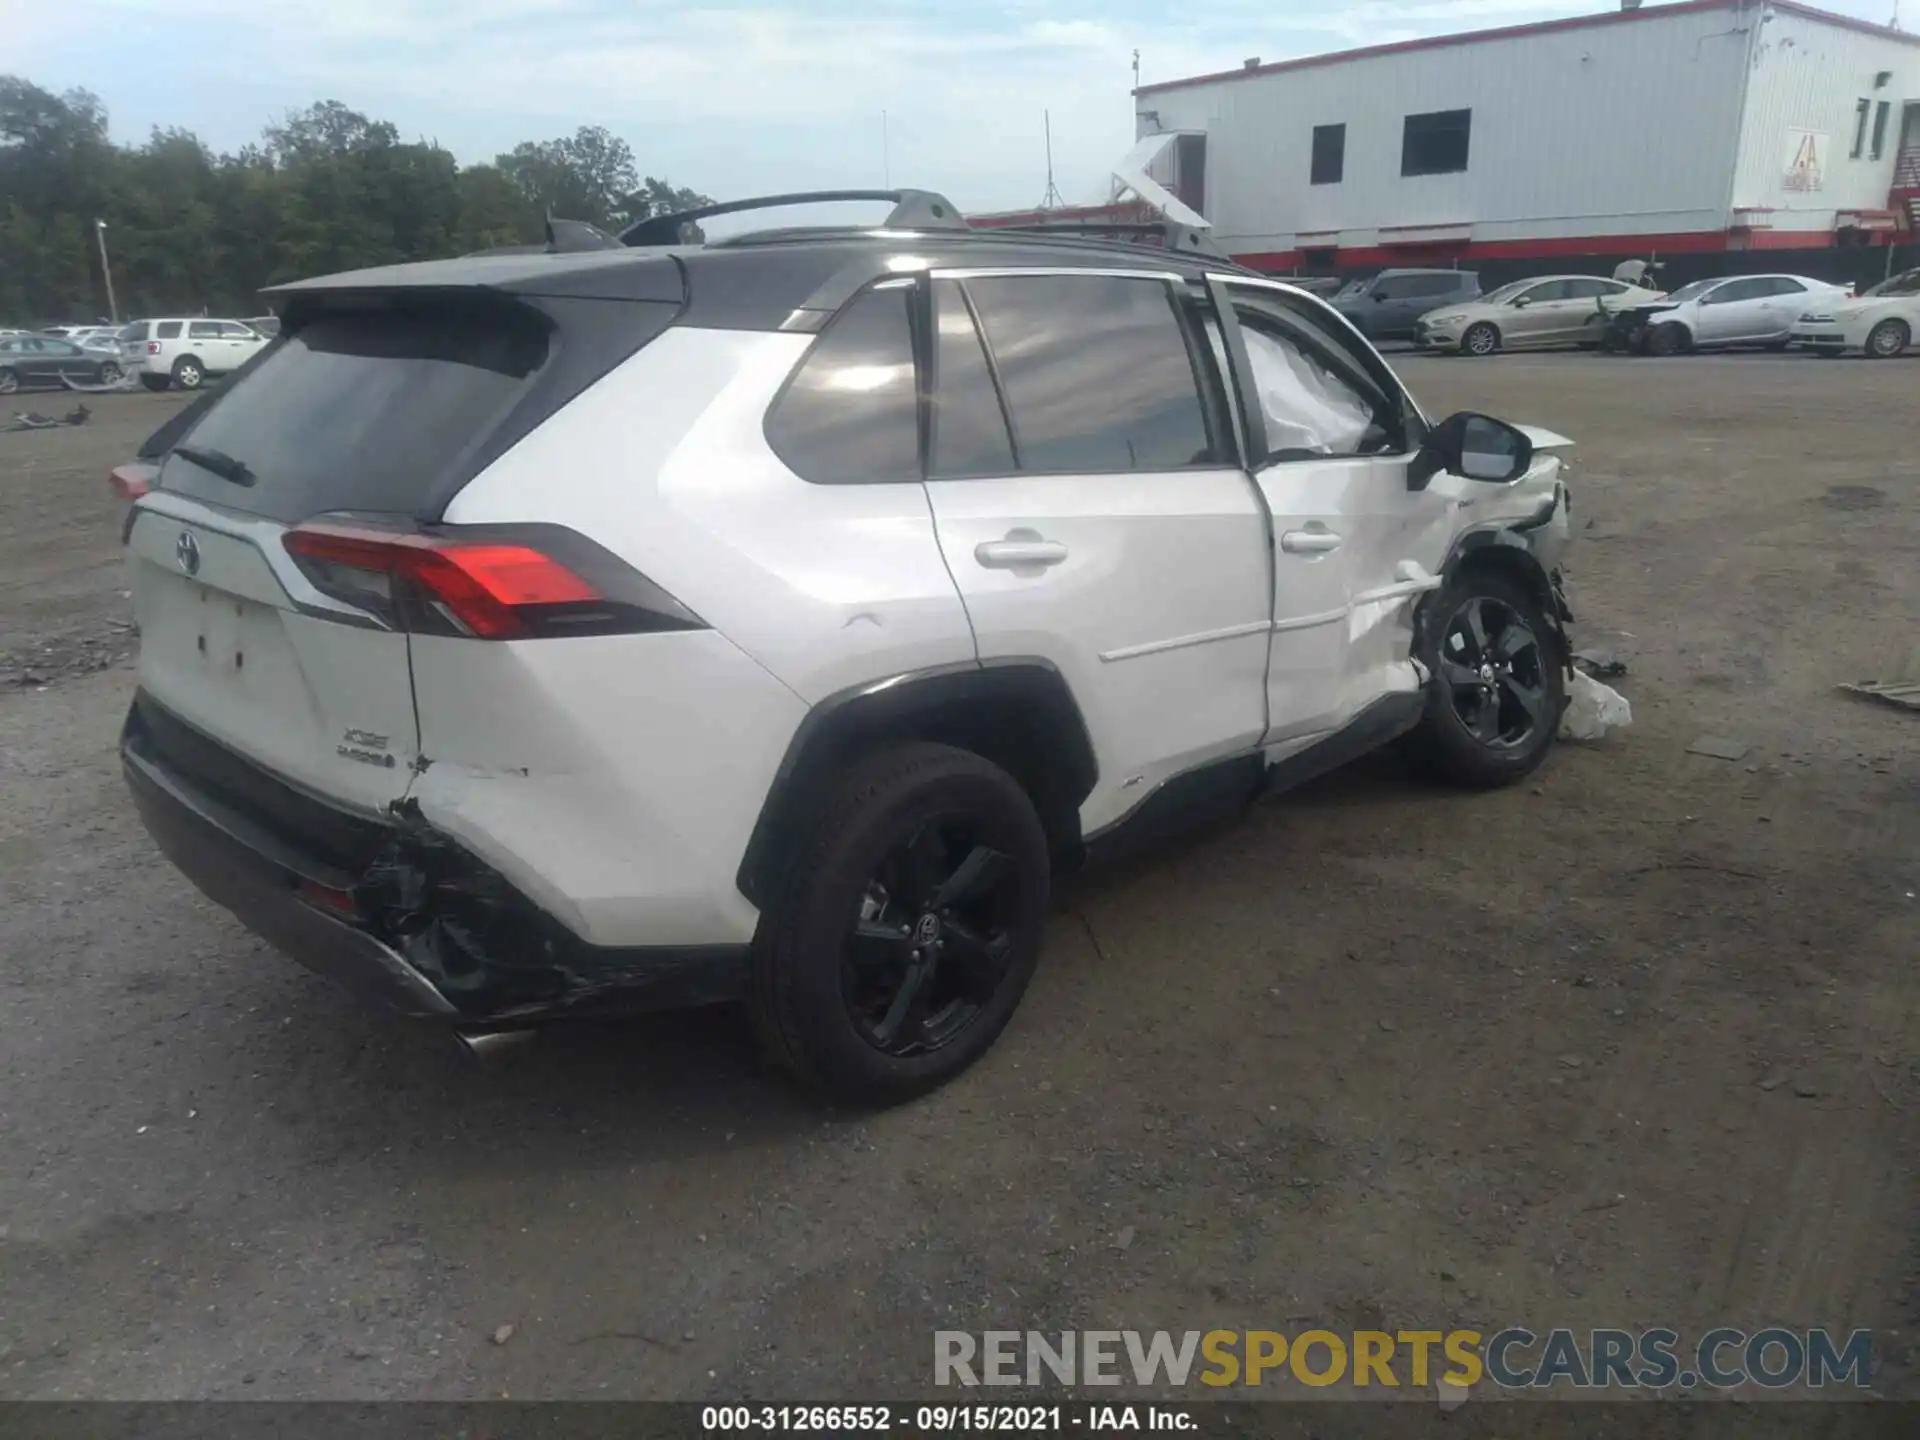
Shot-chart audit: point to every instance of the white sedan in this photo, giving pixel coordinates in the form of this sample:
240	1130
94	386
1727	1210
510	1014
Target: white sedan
1882	323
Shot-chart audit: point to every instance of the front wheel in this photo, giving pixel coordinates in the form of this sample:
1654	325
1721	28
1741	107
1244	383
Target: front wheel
1481	339
9	382
1497	685
1667	339
109	373
907	926
1888	339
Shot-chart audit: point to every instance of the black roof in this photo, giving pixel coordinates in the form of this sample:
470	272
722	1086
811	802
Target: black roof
765	280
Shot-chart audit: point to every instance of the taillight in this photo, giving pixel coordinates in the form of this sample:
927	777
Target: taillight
487	586
153	347
132	480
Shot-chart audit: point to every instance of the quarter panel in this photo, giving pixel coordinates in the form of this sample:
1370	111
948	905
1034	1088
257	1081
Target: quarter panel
665	462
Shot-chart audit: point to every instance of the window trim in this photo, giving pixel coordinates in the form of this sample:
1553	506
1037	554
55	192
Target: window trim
1414	424
1881	111
1862	108
1212	405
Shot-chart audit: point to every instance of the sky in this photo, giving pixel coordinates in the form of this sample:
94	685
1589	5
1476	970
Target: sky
750	98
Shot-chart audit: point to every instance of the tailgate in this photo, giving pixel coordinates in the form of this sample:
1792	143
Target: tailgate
230	644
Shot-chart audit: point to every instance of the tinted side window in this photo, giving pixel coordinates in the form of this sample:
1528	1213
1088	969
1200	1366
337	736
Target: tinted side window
1590	289
203	330
1782	285
1329	161
850	414
1097	373
1418	285
1550	290
1736	290
167	330
969	427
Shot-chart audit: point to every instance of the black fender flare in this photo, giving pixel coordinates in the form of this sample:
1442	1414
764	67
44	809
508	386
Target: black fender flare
1504	546
1018	712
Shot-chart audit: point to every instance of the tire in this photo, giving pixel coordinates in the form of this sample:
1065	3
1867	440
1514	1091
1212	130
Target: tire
1668	339
109	373
188	373
841	944
9	382
1460	740
1888	339
1482	339
155	383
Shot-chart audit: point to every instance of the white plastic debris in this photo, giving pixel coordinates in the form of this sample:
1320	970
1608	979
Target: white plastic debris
1593	709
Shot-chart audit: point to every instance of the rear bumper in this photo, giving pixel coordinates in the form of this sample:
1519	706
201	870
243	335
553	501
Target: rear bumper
424	929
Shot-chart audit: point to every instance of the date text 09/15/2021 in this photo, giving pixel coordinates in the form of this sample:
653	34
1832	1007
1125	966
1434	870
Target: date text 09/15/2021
945	1419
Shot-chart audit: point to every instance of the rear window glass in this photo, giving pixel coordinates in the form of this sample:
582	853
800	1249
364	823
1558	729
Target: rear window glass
135	331
363	411
167	330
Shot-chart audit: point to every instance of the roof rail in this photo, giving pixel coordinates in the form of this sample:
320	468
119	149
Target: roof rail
1182	239
912	210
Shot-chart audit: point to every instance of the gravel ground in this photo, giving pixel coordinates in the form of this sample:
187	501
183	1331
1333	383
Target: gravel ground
1632	1044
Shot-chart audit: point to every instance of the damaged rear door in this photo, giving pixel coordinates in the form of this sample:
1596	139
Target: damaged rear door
275	646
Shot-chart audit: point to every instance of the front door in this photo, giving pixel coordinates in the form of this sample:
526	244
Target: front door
1733	312
1090	505
1330	439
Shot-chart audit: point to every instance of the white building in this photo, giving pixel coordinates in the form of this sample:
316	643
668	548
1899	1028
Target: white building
1700	126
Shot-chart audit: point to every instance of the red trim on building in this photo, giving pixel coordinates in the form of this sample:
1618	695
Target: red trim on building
1514	32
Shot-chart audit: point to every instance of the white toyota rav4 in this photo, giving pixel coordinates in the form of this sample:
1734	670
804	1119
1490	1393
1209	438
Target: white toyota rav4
772	620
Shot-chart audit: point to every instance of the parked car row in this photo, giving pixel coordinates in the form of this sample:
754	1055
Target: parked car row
1444	310
178	353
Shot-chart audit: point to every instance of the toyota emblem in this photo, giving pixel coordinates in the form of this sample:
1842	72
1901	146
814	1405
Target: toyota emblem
187	551
928	930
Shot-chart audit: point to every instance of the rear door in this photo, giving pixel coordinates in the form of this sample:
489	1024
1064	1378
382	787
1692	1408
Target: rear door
355	413
1784	301
1330	431
208	340
1090	505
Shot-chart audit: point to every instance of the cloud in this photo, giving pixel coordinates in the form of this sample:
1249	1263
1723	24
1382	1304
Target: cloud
755	95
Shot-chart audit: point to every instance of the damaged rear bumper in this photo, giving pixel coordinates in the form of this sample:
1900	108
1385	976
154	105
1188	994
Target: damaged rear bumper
393	912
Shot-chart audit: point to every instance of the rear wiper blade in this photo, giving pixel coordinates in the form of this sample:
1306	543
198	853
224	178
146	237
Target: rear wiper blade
217	462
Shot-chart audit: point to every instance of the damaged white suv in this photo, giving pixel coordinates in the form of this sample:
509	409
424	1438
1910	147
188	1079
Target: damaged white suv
771	620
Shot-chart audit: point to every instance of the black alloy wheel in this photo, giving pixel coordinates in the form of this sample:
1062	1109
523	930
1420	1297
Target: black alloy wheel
928	946
905	926
1492	664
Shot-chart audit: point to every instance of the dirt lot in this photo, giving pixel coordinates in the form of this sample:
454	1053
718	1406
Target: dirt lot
1630	1045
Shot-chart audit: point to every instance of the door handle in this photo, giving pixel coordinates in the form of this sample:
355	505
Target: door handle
1018	554
1309	542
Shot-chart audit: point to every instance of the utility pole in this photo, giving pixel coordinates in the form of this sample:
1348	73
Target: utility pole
100	234
1052	199
1136	69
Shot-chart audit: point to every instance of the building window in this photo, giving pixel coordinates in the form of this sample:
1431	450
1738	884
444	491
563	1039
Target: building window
1880	129
1329	154
1436	144
1860	110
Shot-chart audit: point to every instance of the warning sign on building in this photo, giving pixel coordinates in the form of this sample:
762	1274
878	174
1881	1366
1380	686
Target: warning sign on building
1806	161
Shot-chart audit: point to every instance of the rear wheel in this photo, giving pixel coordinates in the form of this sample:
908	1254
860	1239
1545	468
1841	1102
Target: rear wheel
1888	339
109	373
1668	339
1498	684
9	382
907	928
188	373
1481	339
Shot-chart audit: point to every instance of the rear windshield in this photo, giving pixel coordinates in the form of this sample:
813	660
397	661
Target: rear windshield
136	331
362	411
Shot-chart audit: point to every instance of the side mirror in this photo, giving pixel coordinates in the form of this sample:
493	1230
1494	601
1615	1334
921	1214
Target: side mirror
1520	302
1477	447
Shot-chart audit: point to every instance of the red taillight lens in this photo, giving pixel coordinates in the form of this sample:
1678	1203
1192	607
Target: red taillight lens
485	589
132	480
153	347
